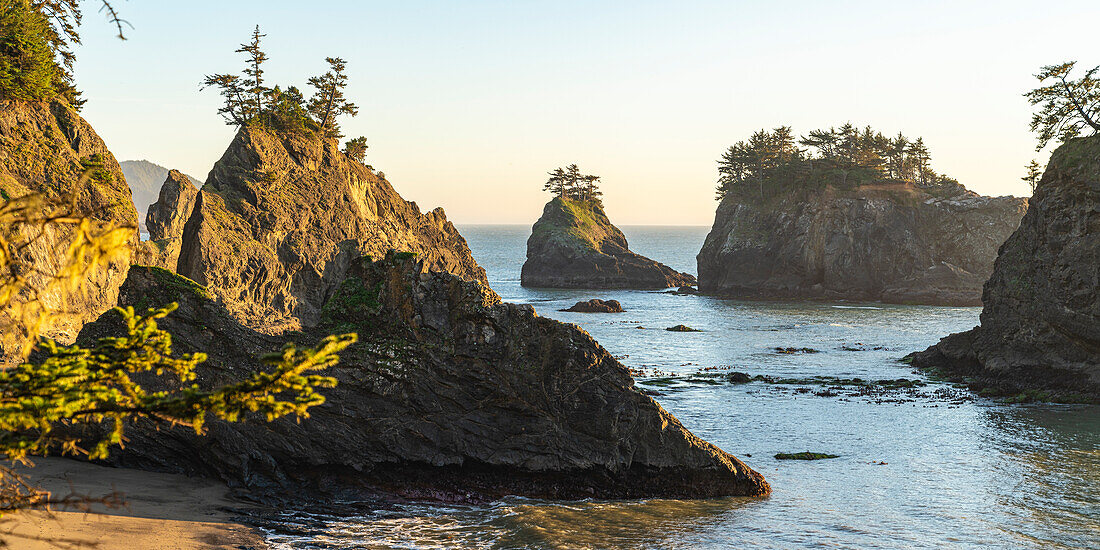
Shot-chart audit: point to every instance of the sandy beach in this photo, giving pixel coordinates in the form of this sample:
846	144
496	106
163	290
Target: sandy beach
162	512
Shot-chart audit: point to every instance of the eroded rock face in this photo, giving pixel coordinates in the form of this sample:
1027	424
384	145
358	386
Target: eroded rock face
574	245
449	394
1040	327
166	219
280	218
902	246
46	147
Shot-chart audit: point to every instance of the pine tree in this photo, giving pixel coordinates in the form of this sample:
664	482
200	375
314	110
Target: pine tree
356	149
1034	175
253	84
1069	107
556	183
328	102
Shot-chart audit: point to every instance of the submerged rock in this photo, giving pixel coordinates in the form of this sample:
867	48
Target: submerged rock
805	455
165	221
682	328
574	245
448	394
892	243
1040	327
282	216
596	305
46	148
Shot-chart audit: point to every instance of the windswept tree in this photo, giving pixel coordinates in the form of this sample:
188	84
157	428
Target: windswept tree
570	183
243	98
254	72
1067	107
1034	174
356	149
328	102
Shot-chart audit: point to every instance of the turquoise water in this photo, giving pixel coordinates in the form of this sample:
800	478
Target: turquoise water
924	467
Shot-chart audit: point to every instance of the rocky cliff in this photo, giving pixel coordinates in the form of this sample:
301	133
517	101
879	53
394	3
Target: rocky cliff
281	217
46	148
892	243
145	179
165	221
449	394
575	245
1040	327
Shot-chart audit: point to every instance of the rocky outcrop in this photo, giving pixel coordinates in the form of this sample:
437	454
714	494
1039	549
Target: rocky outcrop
281	217
145	179
890	243
165	221
574	245
1040	327
449	394
47	148
596	305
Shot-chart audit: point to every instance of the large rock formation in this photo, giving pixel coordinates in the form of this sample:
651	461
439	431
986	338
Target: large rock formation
145	179
889	243
574	245
46	148
165	221
449	394
1040	328
280	218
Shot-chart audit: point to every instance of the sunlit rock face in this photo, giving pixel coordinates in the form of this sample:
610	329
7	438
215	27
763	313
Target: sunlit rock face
281	216
1040	327
47	148
895	244
449	394
575	245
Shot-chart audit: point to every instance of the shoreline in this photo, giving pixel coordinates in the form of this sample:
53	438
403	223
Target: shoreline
161	511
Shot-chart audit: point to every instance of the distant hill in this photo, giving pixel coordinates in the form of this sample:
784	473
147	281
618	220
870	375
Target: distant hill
145	179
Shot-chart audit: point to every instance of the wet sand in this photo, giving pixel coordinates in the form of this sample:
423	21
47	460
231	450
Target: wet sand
162	511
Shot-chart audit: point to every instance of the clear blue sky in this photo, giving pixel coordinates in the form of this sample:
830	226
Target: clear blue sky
467	104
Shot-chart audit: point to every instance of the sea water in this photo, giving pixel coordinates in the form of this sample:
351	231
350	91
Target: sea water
925	467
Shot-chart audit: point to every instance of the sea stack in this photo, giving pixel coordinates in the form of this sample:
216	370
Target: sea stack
282	215
896	243
165	221
1040	327
449	394
575	245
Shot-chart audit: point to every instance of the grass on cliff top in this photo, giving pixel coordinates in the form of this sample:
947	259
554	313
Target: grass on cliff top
575	224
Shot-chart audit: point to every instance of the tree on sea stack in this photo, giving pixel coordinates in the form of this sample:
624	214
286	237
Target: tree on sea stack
1068	107
1034	174
328	102
570	183
356	149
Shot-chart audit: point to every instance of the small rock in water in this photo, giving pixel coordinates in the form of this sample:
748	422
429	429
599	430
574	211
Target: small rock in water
805	455
597	306
795	350
682	328
738	378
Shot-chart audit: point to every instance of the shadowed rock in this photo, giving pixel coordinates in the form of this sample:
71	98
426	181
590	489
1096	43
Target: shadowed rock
449	394
892	243
596	305
1040	327
574	245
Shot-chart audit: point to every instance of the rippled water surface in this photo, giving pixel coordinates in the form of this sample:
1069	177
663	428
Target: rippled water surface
924	467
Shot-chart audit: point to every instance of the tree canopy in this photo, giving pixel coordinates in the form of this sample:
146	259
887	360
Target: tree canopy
1068	107
248	99
36	40
570	183
772	161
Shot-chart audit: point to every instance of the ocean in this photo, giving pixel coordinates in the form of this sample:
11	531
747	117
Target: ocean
927	466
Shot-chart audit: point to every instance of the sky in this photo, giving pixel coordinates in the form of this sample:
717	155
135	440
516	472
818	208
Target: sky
467	104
